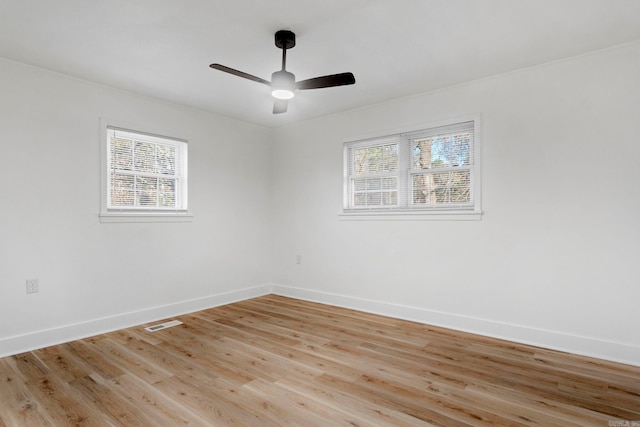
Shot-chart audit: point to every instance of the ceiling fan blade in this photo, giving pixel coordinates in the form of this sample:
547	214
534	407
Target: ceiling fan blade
280	106
239	73
327	81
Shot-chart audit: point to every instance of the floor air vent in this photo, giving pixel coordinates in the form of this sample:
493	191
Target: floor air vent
163	325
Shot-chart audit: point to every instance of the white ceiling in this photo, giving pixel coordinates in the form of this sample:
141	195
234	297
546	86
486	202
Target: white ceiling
395	48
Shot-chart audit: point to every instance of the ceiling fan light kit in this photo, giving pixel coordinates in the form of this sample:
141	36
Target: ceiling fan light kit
283	83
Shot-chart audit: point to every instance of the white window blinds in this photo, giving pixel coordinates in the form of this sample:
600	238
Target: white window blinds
145	172
430	169
373	174
441	166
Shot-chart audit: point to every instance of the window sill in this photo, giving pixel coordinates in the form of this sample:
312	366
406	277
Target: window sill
410	216
146	217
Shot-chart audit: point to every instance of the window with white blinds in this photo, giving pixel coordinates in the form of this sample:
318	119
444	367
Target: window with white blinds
430	170
144	172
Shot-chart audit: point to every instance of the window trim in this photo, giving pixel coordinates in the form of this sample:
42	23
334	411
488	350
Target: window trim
108	214
448	213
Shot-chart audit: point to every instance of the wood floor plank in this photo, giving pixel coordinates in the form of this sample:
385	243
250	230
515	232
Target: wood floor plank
19	406
361	408
158	407
83	352
111	406
381	398
300	409
564	414
277	361
220	402
61	403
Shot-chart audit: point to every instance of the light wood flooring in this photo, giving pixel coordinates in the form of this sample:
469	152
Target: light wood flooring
273	361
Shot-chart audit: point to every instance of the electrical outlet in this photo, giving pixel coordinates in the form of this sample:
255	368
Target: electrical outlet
32	286
298	259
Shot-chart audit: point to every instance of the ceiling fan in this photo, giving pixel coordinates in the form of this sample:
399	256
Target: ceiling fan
283	83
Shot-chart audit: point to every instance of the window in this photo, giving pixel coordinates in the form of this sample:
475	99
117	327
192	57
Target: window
144	175
430	171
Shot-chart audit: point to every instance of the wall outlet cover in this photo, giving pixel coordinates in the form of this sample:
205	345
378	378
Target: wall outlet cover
33	286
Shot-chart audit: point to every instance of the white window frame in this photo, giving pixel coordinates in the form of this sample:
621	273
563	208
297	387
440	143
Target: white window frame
109	213
405	210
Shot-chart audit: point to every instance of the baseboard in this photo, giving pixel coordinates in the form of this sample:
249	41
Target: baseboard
45	338
582	345
587	346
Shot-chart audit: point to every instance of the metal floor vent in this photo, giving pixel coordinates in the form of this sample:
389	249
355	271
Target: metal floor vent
163	325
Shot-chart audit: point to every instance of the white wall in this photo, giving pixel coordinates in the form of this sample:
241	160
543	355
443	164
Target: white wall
553	262
98	276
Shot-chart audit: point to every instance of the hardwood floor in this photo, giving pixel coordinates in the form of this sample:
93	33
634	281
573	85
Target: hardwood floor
274	361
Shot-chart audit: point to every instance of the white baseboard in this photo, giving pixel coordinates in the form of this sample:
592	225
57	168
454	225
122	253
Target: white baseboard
45	338
586	346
